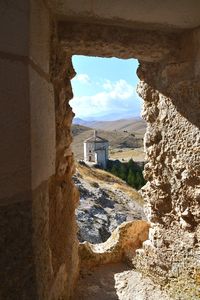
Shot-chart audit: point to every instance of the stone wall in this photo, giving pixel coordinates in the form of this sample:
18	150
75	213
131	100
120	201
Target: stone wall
38	199
169	74
17	269
39	255
171	91
54	200
63	194
119	247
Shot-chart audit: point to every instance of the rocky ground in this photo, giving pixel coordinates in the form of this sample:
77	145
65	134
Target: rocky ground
117	282
105	203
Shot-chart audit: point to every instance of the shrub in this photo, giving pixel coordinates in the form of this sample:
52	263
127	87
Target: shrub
129	171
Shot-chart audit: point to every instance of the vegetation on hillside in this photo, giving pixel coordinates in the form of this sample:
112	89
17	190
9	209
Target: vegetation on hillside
127	171
101	177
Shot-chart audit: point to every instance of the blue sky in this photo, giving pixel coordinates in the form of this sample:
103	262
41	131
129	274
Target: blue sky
105	88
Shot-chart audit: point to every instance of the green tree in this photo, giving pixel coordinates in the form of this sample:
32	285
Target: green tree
123	171
114	170
130	172
131	178
131	164
139	180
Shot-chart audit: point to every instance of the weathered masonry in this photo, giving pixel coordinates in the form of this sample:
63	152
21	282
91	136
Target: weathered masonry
38	245
96	151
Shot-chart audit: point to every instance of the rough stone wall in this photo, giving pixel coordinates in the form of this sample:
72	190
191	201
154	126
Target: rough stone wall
122	42
63	194
169	74
171	91
38	236
120	246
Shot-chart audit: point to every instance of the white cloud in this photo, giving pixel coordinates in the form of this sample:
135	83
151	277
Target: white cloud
115	97
83	78
119	90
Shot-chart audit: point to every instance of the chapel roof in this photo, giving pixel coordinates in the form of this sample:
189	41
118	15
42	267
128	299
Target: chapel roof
95	138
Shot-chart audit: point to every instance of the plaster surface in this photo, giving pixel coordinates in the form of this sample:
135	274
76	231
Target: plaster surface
152	14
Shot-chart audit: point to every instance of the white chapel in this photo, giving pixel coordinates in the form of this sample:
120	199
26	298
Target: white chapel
96	151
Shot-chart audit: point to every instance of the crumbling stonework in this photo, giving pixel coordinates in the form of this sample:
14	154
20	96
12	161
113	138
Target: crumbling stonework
170	89
120	246
171	109
63	194
39	251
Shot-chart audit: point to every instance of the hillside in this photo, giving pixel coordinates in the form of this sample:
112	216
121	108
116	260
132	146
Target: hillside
105	202
117	139
132	125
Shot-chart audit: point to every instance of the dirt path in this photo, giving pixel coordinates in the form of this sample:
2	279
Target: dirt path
116	281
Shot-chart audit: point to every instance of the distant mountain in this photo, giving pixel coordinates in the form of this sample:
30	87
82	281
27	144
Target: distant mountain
112	116
131	125
88	122
79	121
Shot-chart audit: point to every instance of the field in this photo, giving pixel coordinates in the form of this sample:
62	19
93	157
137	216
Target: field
126	154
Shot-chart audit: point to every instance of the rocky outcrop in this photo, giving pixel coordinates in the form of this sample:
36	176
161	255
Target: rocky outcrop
121	245
103	206
172	142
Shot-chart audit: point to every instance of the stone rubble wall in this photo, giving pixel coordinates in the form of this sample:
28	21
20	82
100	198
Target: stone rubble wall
171	93
120	246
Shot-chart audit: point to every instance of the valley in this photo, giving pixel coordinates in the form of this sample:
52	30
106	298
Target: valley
106	201
125	138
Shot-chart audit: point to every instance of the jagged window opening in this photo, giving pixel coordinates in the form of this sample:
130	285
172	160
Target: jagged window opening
101	99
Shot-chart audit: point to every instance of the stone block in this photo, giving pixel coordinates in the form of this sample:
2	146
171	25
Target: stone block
15	130
14	27
42	128
40	35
